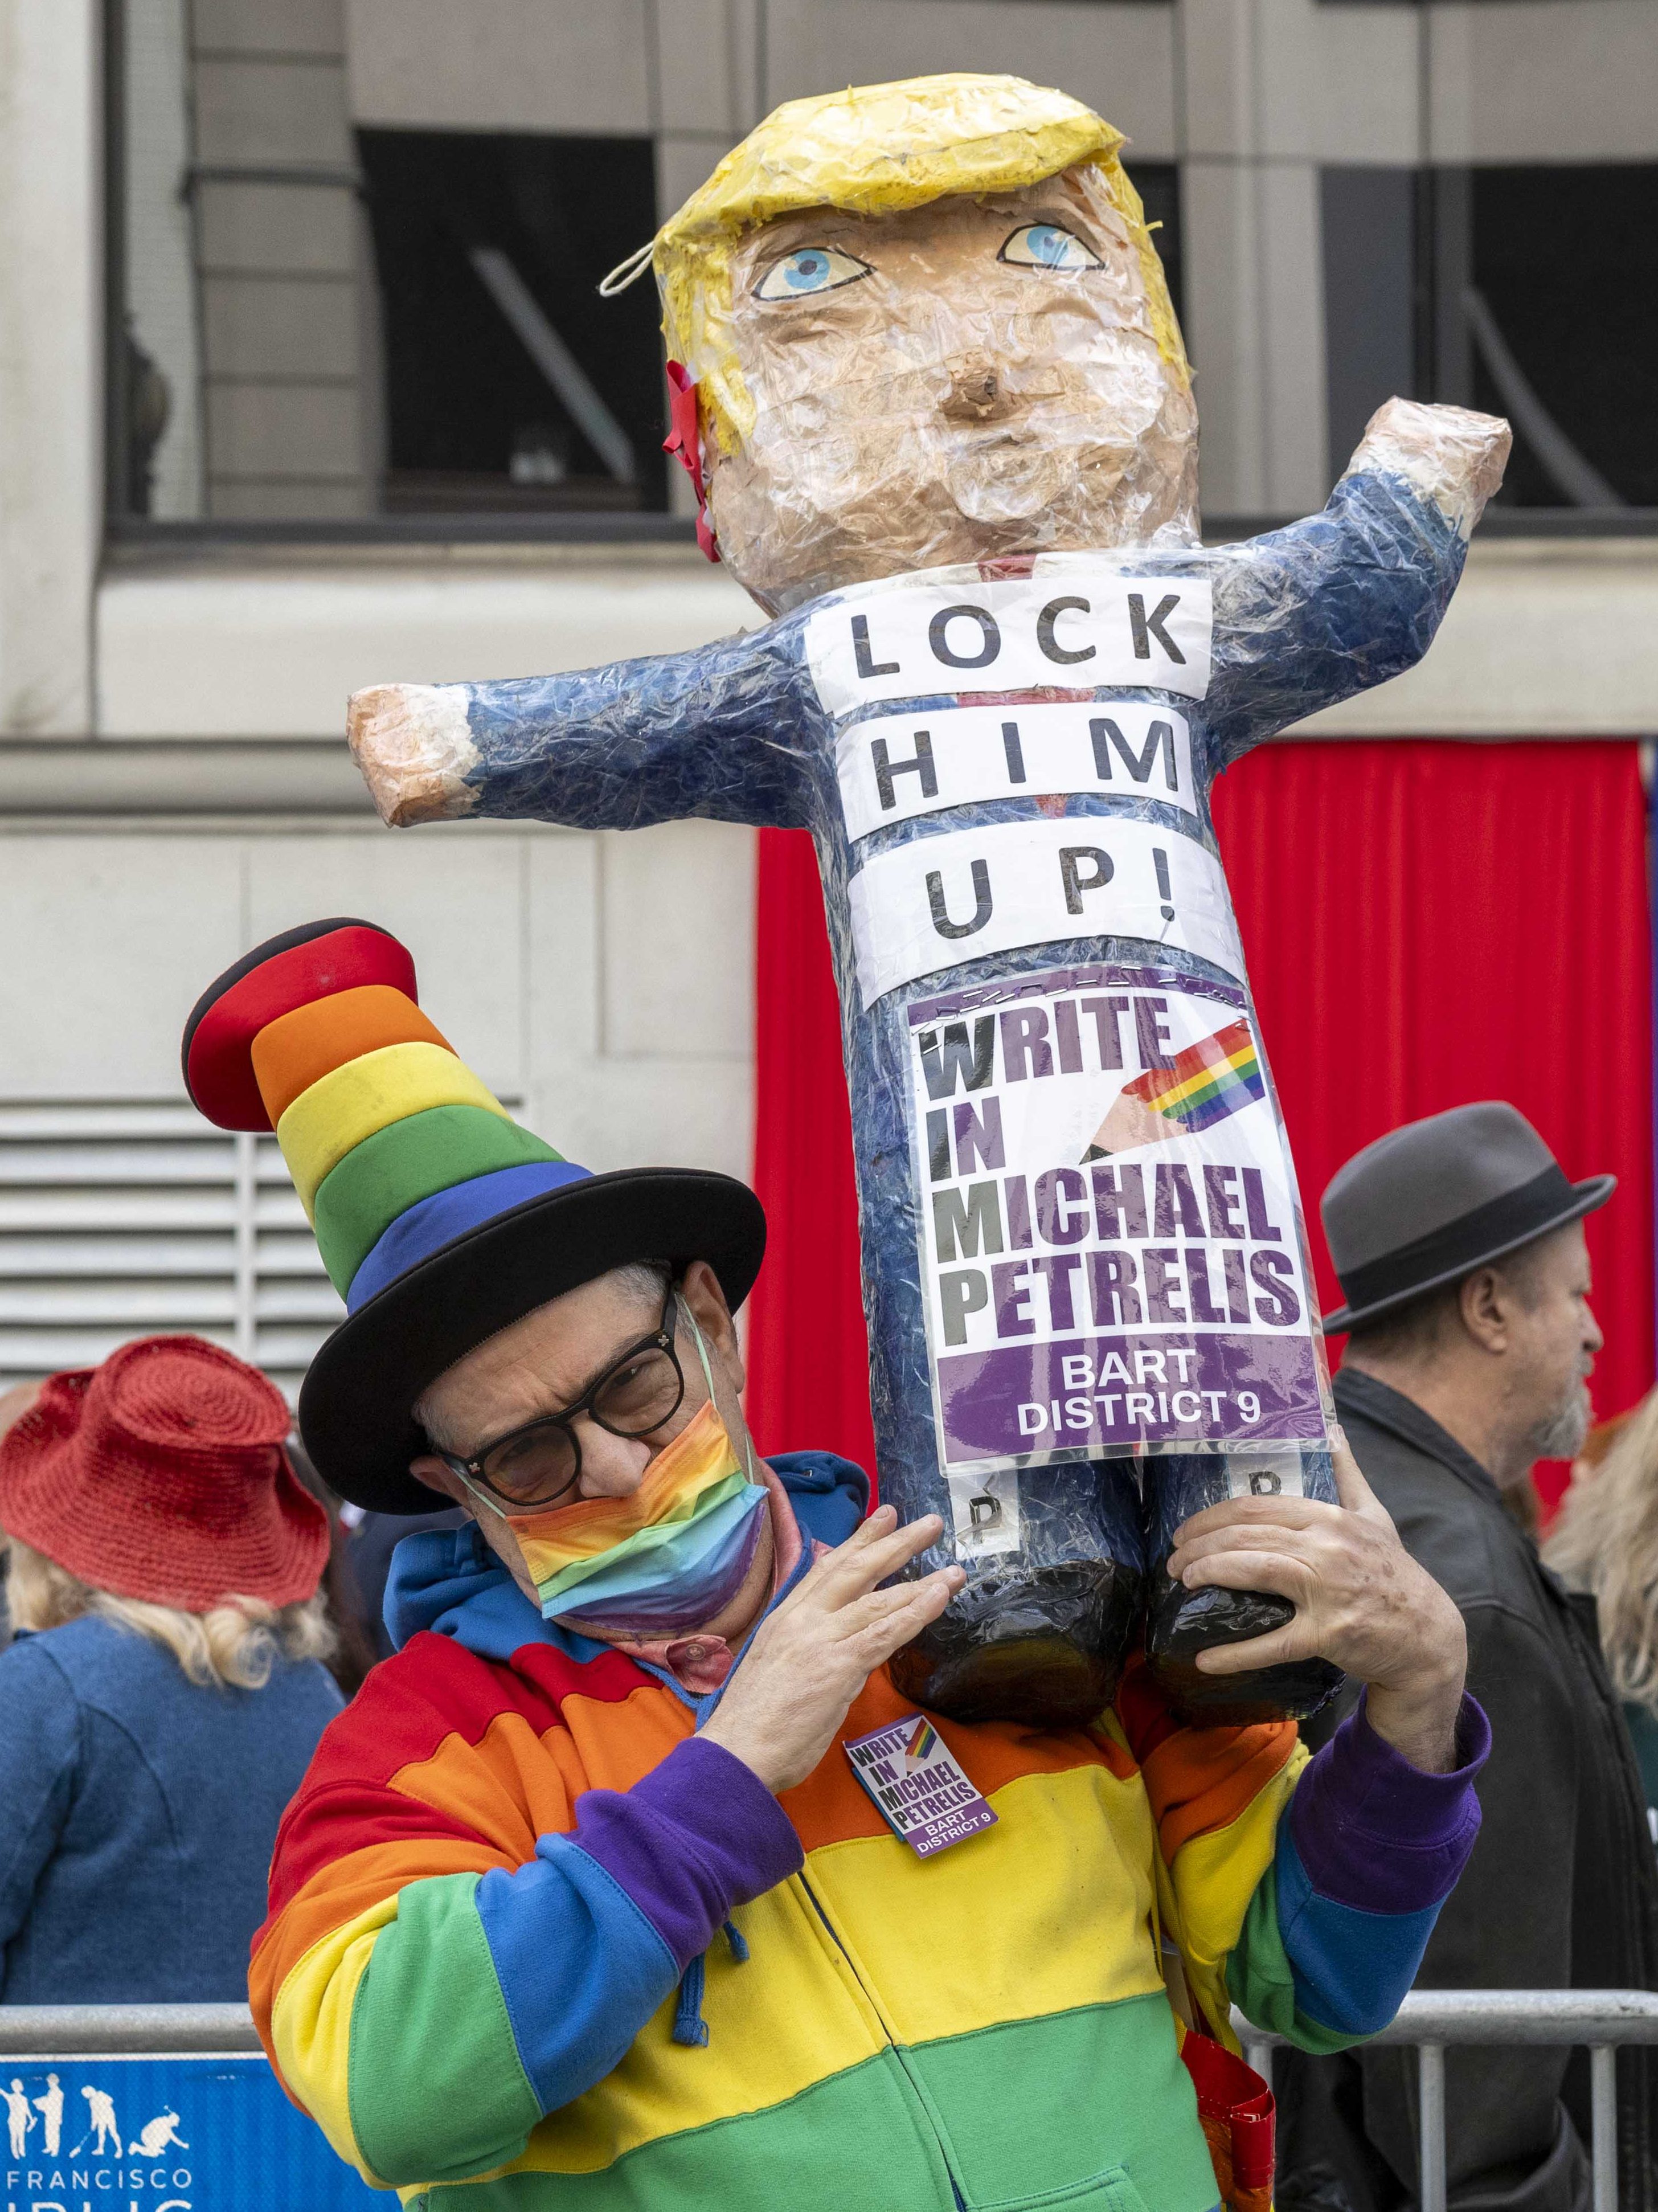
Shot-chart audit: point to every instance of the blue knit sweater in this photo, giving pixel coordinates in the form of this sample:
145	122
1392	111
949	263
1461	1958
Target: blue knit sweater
137	1813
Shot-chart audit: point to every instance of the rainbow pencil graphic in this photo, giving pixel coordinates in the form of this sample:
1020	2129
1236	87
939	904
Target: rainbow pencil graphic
1217	1076
920	1742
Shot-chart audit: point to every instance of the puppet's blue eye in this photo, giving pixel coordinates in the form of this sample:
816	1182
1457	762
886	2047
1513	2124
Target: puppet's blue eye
1045	245
810	268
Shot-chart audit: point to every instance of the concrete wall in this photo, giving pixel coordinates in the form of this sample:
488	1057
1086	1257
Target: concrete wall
1544	638
605	982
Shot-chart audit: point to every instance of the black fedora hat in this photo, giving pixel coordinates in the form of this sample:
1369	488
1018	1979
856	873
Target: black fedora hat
440	1219
1428	1203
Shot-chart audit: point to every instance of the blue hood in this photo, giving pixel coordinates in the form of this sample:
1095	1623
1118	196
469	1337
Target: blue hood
448	1580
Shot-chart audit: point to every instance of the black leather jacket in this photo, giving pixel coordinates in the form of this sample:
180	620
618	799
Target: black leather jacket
1561	1891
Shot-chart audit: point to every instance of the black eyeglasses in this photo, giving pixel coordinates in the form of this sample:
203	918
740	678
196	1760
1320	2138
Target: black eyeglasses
541	1462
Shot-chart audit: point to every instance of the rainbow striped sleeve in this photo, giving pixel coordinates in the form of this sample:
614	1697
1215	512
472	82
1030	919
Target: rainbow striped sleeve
1217	1076
463	1937
1304	1889
1372	1848
1218	1795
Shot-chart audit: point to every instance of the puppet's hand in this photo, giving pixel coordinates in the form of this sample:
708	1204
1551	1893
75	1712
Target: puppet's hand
1451	455
414	748
1361	1601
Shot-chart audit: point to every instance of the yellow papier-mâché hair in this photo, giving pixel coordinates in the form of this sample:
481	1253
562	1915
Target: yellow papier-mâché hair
874	150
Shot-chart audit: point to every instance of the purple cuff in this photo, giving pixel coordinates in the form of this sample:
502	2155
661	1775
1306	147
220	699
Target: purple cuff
696	1836
1374	1832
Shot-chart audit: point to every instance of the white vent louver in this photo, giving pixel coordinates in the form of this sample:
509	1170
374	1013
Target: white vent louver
132	1218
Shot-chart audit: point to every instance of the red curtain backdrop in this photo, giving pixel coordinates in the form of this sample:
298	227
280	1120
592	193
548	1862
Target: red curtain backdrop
808	1351
1426	923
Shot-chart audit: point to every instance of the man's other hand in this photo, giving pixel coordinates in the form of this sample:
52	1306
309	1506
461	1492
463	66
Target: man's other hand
1361	1601
811	1657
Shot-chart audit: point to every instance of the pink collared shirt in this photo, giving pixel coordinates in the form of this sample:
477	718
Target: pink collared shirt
700	1664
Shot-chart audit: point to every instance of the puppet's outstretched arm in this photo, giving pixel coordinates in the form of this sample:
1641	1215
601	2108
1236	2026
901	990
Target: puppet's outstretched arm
1332	605
709	732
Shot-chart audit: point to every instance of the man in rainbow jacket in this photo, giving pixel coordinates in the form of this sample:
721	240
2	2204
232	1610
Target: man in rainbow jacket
630	1881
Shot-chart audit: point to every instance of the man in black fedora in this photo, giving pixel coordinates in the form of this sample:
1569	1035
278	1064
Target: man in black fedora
1460	1246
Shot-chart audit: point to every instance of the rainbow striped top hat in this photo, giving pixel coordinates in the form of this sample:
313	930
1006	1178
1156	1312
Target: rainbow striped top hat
440	1219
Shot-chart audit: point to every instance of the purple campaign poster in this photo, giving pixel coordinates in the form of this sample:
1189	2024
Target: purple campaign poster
1110	1250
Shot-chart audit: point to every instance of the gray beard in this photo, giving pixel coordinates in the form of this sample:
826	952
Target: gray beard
1561	1436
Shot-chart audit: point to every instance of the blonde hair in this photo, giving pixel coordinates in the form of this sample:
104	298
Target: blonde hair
874	150
233	1646
1606	1542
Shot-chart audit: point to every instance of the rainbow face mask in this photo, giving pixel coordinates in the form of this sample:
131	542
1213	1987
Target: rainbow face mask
663	1561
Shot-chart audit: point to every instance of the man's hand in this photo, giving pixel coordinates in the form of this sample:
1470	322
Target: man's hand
1361	1601
810	1658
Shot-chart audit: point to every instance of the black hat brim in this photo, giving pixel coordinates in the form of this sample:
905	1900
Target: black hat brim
1586	1196
355	1404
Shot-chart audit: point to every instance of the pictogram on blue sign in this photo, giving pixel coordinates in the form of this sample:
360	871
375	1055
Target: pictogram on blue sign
163	2135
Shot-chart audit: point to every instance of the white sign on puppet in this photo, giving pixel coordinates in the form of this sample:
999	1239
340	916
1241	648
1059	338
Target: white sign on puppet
1110	1247
893	767
1085	627
938	901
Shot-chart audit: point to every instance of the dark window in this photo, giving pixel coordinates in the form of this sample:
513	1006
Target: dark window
1368	220
509	383
1565	307
1531	293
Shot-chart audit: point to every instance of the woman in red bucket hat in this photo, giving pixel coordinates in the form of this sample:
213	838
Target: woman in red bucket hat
164	1690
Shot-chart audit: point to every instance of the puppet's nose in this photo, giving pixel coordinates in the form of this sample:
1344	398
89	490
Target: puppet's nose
975	390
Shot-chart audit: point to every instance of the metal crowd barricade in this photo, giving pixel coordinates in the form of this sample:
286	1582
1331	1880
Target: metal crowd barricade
1434	2020
124	2030
1431	2020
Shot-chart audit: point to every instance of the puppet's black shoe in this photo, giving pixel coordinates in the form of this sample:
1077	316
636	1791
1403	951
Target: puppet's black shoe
1181	1622
1044	1646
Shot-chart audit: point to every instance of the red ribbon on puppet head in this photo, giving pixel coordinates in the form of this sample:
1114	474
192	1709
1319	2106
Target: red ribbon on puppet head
685	439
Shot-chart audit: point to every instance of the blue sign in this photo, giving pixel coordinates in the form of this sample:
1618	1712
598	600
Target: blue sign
163	2135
